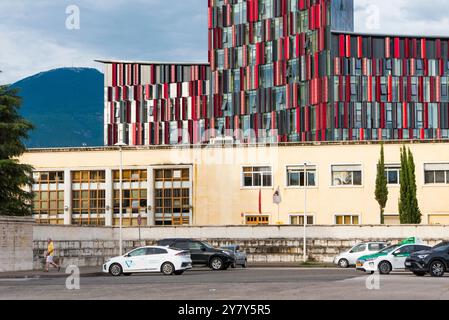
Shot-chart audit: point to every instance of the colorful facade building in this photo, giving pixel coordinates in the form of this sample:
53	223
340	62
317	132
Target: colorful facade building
153	103
284	71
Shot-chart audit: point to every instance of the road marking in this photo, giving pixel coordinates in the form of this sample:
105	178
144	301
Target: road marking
17	280
293	268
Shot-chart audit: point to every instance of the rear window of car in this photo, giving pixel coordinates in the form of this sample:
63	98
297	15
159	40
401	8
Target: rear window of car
376	246
442	248
420	248
184	245
195	245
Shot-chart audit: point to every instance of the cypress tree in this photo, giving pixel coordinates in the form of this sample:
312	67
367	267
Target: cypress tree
404	192
381	192
15	177
415	212
409	211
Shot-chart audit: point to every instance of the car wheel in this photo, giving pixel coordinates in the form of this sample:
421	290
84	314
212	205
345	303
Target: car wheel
115	270
179	272
216	264
168	269
245	265
385	267
233	265
437	269
343	263
419	274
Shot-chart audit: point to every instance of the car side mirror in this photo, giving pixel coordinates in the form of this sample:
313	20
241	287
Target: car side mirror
203	248
396	253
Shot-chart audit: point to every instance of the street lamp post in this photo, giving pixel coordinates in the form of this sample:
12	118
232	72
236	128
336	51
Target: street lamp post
305	213
121	145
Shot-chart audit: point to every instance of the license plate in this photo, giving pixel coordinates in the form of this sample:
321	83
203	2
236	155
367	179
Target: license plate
359	265
408	264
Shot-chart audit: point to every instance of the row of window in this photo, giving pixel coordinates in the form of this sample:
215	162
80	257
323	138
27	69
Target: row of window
394	67
88	176
171	196
125	74
267	52
342	175
267	9
391	89
389	47
340	219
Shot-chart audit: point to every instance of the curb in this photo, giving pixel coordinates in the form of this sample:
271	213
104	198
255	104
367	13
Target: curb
51	276
102	274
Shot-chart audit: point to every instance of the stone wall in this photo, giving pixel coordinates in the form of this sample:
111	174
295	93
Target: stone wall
90	246
16	244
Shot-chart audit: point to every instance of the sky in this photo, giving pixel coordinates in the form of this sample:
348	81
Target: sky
39	35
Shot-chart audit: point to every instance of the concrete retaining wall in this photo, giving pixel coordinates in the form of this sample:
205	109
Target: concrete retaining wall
16	244
90	246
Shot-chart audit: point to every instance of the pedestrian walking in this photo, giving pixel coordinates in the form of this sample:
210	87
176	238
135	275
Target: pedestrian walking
50	256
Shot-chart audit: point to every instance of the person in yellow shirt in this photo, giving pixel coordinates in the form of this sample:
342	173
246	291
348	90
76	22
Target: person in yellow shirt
50	256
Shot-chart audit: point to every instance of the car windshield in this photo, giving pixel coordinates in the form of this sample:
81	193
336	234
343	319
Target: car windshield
390	248
444	246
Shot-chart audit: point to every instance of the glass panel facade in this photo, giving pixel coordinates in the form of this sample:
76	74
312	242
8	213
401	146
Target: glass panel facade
172	197
48	201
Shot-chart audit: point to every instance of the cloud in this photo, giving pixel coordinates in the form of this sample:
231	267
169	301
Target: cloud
24	53
33	36
404	17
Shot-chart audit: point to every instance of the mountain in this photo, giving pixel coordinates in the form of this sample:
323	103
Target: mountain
66	107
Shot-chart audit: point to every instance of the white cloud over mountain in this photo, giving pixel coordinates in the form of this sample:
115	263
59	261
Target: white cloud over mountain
33	36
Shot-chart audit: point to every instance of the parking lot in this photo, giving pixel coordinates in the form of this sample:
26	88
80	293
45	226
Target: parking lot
236	284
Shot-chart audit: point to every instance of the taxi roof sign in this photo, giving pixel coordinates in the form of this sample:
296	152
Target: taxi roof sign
412	240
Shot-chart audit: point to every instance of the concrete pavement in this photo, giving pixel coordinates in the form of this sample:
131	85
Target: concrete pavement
238	284
96	271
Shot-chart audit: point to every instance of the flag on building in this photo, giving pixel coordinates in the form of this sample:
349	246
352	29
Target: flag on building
277	199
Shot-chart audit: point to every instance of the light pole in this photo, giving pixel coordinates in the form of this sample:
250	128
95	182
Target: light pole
121	145
305	213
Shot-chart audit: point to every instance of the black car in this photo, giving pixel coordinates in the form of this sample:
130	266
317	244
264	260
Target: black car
434	261
202	253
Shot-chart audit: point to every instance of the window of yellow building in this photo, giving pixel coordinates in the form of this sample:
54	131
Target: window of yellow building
257	220
347	220
299	220
172	197
48	202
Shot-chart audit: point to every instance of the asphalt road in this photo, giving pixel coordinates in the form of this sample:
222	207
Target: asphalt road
236	284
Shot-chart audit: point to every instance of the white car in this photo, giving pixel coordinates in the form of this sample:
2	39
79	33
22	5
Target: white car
391	258
149	259
349	258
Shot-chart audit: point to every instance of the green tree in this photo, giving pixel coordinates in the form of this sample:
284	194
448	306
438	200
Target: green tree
381	192
415	212
409	211
15	178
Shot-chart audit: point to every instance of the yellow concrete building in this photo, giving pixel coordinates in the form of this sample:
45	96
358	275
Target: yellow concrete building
222	185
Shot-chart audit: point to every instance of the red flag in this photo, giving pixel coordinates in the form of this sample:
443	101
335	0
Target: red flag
260	201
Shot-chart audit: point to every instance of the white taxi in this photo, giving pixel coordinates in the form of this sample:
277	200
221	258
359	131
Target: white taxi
349	258
391	258
149	259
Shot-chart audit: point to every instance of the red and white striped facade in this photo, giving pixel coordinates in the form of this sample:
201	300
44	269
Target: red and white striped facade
284	71
145	102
